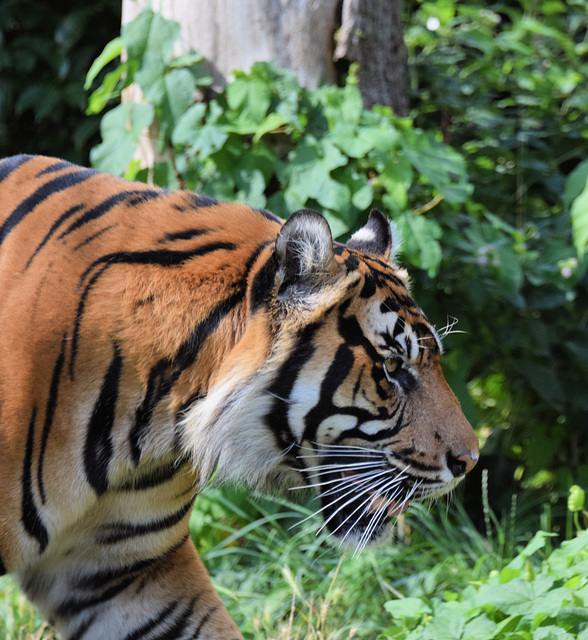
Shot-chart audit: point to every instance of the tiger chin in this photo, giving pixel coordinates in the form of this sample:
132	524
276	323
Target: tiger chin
151	340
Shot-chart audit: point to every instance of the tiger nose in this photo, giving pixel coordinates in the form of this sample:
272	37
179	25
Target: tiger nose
461	464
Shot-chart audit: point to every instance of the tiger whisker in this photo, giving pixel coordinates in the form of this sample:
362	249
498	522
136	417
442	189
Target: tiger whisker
367	533
361	483
372	523
366	506
356	477
340	455
345	446
344	495
350	466
369	490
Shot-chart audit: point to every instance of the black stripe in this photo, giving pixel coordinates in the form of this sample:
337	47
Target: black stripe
80	632
141	632
152	479
199	201
55	167
187	234
73	606
188	351
270	216
165	373
177	629
60	183
158	386
98	580
163	258
78	319
369	287
62	218
277	418
94	236
337	373
118	531
49	414
105	206
2	567
262	283
205	619
98	445
31	519
158	257
8	165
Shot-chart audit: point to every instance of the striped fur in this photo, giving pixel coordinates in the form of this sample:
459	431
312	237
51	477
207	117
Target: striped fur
152	338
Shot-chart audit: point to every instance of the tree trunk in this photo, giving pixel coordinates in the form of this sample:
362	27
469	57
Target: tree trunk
372	35
233	34
297	35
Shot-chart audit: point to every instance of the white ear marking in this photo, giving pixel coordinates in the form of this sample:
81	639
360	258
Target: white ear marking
376	237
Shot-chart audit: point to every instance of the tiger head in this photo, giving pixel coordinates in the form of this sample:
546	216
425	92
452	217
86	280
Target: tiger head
335	384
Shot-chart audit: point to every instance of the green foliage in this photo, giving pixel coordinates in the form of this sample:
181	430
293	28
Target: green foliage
505	82
45	51
270	143
487	184
526	600
19	620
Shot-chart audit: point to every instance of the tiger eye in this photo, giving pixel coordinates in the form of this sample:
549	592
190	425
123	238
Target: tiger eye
391	365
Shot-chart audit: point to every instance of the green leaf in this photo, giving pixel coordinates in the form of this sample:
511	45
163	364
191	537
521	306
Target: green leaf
121	129
189	125
514	597
439	164
575	183
150	78
363	197
407	608
111	51
308	175
135	34
272	122
579	214
420	241
150	33
99	98
396	177
179	93
251	100
537	542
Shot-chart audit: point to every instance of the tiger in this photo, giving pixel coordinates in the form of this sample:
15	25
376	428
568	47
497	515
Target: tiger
153	340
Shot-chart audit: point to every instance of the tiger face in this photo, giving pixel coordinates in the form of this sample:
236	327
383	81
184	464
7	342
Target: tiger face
351	394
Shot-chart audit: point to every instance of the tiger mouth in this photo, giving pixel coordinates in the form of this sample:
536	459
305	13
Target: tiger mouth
358	507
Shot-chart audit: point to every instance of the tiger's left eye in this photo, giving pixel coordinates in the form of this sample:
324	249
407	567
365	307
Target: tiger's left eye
392	366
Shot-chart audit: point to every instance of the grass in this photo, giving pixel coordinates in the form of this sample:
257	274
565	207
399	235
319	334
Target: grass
282	582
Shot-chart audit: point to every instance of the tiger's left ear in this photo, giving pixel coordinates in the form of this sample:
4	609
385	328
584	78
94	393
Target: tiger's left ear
375	238
304	250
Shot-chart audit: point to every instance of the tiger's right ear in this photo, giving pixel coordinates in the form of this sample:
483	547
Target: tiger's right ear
304	249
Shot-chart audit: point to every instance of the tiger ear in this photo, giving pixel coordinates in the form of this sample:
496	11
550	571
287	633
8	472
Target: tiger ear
375	238
304	249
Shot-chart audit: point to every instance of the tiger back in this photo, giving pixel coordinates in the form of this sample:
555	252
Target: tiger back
150	339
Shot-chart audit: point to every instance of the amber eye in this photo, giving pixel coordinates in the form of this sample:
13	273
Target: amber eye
392	366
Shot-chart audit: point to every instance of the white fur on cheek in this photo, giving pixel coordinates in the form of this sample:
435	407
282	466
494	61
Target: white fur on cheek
224	432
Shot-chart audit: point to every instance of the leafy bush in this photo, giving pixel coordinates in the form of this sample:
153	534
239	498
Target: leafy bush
488	212
523	601
46	49
505	82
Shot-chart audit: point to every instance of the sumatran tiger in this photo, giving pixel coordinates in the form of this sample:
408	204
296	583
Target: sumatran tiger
150	339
